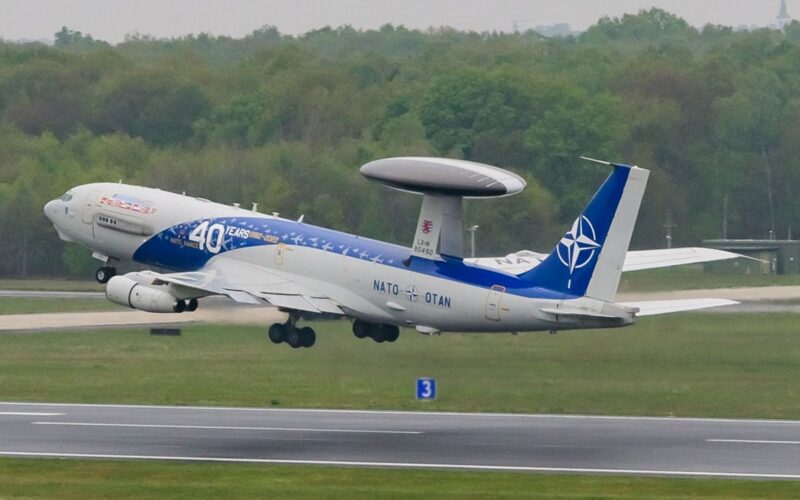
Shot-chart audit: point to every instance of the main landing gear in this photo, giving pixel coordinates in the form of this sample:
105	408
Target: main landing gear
105	273
292	335
378	333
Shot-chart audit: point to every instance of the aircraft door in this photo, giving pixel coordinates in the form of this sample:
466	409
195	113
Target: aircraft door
493	302
88	207
280	253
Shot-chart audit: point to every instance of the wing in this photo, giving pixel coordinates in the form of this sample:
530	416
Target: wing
635	260
250	284
655	307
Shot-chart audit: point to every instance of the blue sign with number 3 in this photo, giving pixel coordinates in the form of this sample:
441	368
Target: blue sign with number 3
426	388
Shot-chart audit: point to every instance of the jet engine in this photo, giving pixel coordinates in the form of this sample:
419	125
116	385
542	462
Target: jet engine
128	292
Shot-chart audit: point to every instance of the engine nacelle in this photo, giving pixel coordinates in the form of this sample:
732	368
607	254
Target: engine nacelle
127	292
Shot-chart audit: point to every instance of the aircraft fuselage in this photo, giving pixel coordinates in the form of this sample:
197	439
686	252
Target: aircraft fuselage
378	282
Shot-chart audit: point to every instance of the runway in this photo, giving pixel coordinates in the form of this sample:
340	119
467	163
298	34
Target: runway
765	449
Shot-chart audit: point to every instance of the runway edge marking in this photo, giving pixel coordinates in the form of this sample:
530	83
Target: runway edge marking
411	412
225	427
407	465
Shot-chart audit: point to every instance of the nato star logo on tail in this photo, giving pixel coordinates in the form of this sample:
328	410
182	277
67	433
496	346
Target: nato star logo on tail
578	246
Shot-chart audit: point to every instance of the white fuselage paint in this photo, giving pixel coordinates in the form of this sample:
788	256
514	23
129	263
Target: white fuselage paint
368	290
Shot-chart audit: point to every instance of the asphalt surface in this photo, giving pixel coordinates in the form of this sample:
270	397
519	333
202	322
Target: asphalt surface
526	443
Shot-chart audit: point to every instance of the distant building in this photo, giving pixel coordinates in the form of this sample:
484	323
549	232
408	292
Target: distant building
783	18
560	30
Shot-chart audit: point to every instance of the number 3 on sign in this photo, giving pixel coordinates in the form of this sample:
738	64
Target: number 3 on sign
208	238
426	388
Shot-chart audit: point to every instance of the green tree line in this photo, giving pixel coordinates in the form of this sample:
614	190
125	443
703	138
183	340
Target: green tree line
286	121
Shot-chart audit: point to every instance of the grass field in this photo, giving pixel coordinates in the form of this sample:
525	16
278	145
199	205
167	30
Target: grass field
28	305
125	479
722	365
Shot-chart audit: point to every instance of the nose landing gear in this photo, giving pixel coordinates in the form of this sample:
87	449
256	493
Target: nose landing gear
105	273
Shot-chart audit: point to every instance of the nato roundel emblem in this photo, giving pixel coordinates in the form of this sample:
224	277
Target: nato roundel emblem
578	246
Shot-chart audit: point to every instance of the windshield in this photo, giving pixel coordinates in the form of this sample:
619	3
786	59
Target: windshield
66	196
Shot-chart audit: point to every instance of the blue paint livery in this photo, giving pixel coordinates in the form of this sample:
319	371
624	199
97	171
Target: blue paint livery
552	279
600	212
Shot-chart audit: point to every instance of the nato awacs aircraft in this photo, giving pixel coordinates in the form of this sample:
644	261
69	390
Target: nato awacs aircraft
203	248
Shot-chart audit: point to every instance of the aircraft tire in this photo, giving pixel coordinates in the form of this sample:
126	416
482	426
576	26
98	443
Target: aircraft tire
191	305
104	273
307	336
392	333
361	329
294	338
378	333
277	333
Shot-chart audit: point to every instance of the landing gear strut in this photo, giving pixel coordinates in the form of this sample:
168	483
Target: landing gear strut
105	273
378	333
288	332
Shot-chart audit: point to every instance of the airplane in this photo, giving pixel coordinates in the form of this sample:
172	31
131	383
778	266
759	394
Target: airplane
204	248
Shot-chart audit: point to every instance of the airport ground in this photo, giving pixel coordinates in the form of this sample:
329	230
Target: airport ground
82	479
704	364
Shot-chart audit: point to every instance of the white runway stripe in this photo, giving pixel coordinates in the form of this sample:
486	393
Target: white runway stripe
227	428
408	465
750	441
29	414
412	412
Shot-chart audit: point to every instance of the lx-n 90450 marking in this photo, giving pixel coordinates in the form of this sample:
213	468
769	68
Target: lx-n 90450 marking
213	249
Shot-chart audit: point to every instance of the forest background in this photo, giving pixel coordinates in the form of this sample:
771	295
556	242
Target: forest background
286	121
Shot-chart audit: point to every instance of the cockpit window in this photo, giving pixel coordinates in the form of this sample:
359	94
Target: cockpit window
66	196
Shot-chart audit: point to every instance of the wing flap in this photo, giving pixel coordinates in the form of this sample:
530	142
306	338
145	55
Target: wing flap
655	307
242	297
295	302
325	305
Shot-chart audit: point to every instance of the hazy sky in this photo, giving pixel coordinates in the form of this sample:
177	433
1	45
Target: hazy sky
110	20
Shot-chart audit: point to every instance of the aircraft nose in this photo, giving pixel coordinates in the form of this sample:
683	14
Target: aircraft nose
50	209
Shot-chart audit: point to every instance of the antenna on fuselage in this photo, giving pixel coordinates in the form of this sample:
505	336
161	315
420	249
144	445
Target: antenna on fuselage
255	207
300	220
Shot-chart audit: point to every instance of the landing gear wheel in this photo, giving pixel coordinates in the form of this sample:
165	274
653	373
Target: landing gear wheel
191	305
293	338
360	329
307	336
378	333
105	273
392	333
277	333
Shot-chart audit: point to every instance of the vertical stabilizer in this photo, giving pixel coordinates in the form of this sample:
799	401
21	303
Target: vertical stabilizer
588	259
440	228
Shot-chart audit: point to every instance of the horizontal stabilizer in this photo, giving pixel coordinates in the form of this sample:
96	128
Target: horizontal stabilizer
638	260
576	313
635	260
655	307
